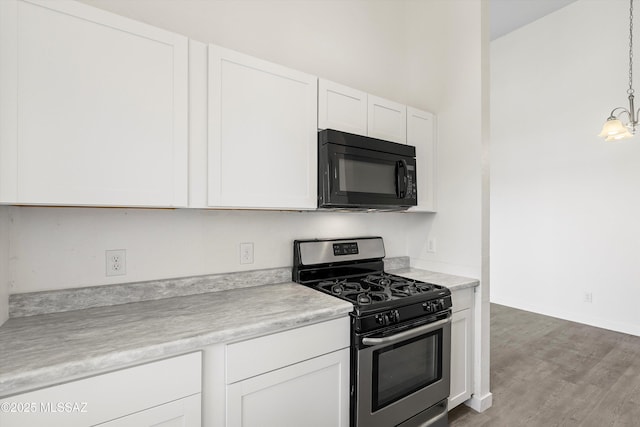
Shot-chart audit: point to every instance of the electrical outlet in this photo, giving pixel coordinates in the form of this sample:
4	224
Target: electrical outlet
431	245
116	262
588	297
246	253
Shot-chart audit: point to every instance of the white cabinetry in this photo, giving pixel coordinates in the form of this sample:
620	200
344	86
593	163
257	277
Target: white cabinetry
165	393
309	393
387	120
262	133
298	377
93	108
461	347
179	413
421	133
350	110
341	108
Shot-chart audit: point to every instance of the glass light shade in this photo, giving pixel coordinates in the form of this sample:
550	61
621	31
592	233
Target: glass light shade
614	130
619	137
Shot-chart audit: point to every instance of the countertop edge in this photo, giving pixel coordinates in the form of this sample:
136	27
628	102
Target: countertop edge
451	281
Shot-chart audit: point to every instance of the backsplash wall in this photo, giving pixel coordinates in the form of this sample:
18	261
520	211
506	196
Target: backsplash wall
57	248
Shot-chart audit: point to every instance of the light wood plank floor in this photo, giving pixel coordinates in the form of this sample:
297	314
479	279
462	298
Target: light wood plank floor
549	372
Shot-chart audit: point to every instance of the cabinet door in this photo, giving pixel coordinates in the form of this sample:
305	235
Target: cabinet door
341	108
310	393
387	120
106	397
93	108
461	353
262	133
180	413
421	134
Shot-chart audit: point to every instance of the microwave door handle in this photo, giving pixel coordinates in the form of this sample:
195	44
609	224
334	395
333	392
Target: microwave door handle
401	179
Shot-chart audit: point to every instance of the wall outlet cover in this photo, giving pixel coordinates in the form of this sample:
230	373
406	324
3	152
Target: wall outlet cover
116	262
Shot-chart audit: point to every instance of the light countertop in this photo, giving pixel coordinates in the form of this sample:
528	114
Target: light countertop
42	350
450	281
46	349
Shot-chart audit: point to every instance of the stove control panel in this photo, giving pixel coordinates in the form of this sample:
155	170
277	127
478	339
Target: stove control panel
388	318
364	322
435	305
347	248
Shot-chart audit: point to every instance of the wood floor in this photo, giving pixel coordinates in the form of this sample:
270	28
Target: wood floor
550	372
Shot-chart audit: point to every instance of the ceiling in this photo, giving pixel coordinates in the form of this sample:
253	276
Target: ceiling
509	15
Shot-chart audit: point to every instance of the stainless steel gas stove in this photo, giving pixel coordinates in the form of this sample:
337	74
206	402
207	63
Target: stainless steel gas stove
400	331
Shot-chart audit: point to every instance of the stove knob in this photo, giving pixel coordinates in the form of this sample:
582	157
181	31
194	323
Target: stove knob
383	319
395	316
427	306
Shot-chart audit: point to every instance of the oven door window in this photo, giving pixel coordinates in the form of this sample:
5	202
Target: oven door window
404	368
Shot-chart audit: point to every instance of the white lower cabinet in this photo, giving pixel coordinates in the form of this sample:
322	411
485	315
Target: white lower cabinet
298	377
461	347
309	393
164	393
180	413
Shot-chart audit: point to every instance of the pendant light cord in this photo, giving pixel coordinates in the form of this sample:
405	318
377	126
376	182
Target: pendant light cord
630	90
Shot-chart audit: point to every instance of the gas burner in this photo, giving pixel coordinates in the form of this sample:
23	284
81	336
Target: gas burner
410	287
367	298
340	287
381	280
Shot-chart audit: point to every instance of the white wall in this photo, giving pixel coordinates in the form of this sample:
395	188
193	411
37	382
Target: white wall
4	263
57	248
359	43
564	203
450	68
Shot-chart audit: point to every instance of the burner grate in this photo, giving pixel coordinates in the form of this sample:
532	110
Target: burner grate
375	288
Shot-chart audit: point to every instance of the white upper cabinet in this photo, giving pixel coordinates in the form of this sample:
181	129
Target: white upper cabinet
387	120
421	133
341	108
93	108
262	134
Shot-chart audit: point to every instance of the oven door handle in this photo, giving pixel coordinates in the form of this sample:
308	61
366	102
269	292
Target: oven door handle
407	334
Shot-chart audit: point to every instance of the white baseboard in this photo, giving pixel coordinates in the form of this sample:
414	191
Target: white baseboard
480	404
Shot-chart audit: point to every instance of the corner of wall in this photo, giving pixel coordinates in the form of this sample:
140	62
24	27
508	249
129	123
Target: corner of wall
4	264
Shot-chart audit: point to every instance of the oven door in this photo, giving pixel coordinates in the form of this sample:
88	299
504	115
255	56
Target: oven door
356	177
401	371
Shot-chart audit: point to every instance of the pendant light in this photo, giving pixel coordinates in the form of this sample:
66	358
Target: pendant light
614	129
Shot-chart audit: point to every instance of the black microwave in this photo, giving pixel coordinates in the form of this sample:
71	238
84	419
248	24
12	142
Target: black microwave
359	172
